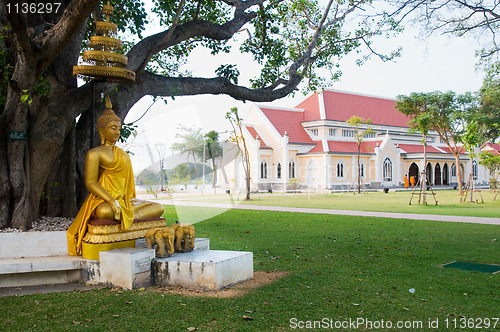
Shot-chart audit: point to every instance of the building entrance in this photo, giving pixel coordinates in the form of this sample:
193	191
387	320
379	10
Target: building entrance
413	171
437	175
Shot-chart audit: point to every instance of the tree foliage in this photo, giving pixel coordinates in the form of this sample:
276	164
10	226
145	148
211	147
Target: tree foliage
182	175
490	161
192	141
488	116
446	113
478	19
213	147
214	151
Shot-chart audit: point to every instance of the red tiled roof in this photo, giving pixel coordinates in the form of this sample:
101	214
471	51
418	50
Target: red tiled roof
311	108
447	150
317	148
289	122
352	147
254	134
494	148
411	148
369	147
340	106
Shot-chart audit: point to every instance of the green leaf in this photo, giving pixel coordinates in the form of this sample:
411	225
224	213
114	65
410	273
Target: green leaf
25	98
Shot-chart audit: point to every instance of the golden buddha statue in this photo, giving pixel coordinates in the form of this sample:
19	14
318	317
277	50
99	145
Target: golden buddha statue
110	180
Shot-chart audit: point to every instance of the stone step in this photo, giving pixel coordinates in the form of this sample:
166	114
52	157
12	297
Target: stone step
31	271
33	244
203	269
19	265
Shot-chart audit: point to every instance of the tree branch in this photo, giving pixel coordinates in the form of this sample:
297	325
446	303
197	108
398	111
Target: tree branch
478	9
19	28
164	40
306	57
199	28
53	40
151	84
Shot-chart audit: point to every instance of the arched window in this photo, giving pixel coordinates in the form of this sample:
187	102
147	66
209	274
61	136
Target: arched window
263	170
453	170
291	169
387	168
340	169
278	171
474	169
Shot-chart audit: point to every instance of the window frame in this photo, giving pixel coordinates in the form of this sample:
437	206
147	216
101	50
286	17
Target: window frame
387	171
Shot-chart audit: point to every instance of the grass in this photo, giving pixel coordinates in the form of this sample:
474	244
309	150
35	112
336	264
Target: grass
340	268
448	202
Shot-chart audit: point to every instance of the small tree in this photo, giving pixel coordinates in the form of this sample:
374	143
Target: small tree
492	163
192	143
361	131
444	113
420	122
182	175
238	138
471	139
214	150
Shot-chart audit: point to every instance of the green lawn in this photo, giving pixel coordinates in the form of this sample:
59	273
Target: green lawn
340	268
448	202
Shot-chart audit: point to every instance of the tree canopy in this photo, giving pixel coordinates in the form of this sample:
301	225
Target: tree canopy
446	113
477	19
490	161
488	115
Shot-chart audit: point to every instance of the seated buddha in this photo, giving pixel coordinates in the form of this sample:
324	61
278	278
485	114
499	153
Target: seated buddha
110	180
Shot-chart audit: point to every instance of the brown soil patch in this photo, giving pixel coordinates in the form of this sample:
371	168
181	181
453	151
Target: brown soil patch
260	278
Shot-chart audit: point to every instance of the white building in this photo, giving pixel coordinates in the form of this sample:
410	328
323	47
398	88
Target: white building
313	145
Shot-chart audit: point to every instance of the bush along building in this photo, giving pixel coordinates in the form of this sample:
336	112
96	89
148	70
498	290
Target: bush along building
312	147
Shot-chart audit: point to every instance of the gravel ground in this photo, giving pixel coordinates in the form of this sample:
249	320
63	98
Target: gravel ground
45	224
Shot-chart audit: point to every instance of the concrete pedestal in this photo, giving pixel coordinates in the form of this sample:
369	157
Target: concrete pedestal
204	269
129	268
39	258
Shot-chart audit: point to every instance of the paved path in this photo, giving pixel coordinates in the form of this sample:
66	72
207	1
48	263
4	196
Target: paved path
414	216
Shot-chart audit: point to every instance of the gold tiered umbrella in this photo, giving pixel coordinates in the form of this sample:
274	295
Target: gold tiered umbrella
104	63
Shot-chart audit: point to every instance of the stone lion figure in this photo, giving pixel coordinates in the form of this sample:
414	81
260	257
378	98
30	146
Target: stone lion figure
163	237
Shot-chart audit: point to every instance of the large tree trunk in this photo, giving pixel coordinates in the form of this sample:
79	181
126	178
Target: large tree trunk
18	158
5	188
59	193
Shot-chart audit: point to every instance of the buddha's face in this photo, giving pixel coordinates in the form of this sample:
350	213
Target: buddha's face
112	131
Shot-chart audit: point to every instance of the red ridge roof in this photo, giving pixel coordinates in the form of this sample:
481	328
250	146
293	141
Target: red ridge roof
340	106
448	150
289	122
311	108
317	148
254	134
352	147
412	148
494	148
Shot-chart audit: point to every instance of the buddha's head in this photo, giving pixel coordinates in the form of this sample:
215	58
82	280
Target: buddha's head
109	125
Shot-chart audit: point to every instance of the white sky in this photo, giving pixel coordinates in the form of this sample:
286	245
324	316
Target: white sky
439	63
